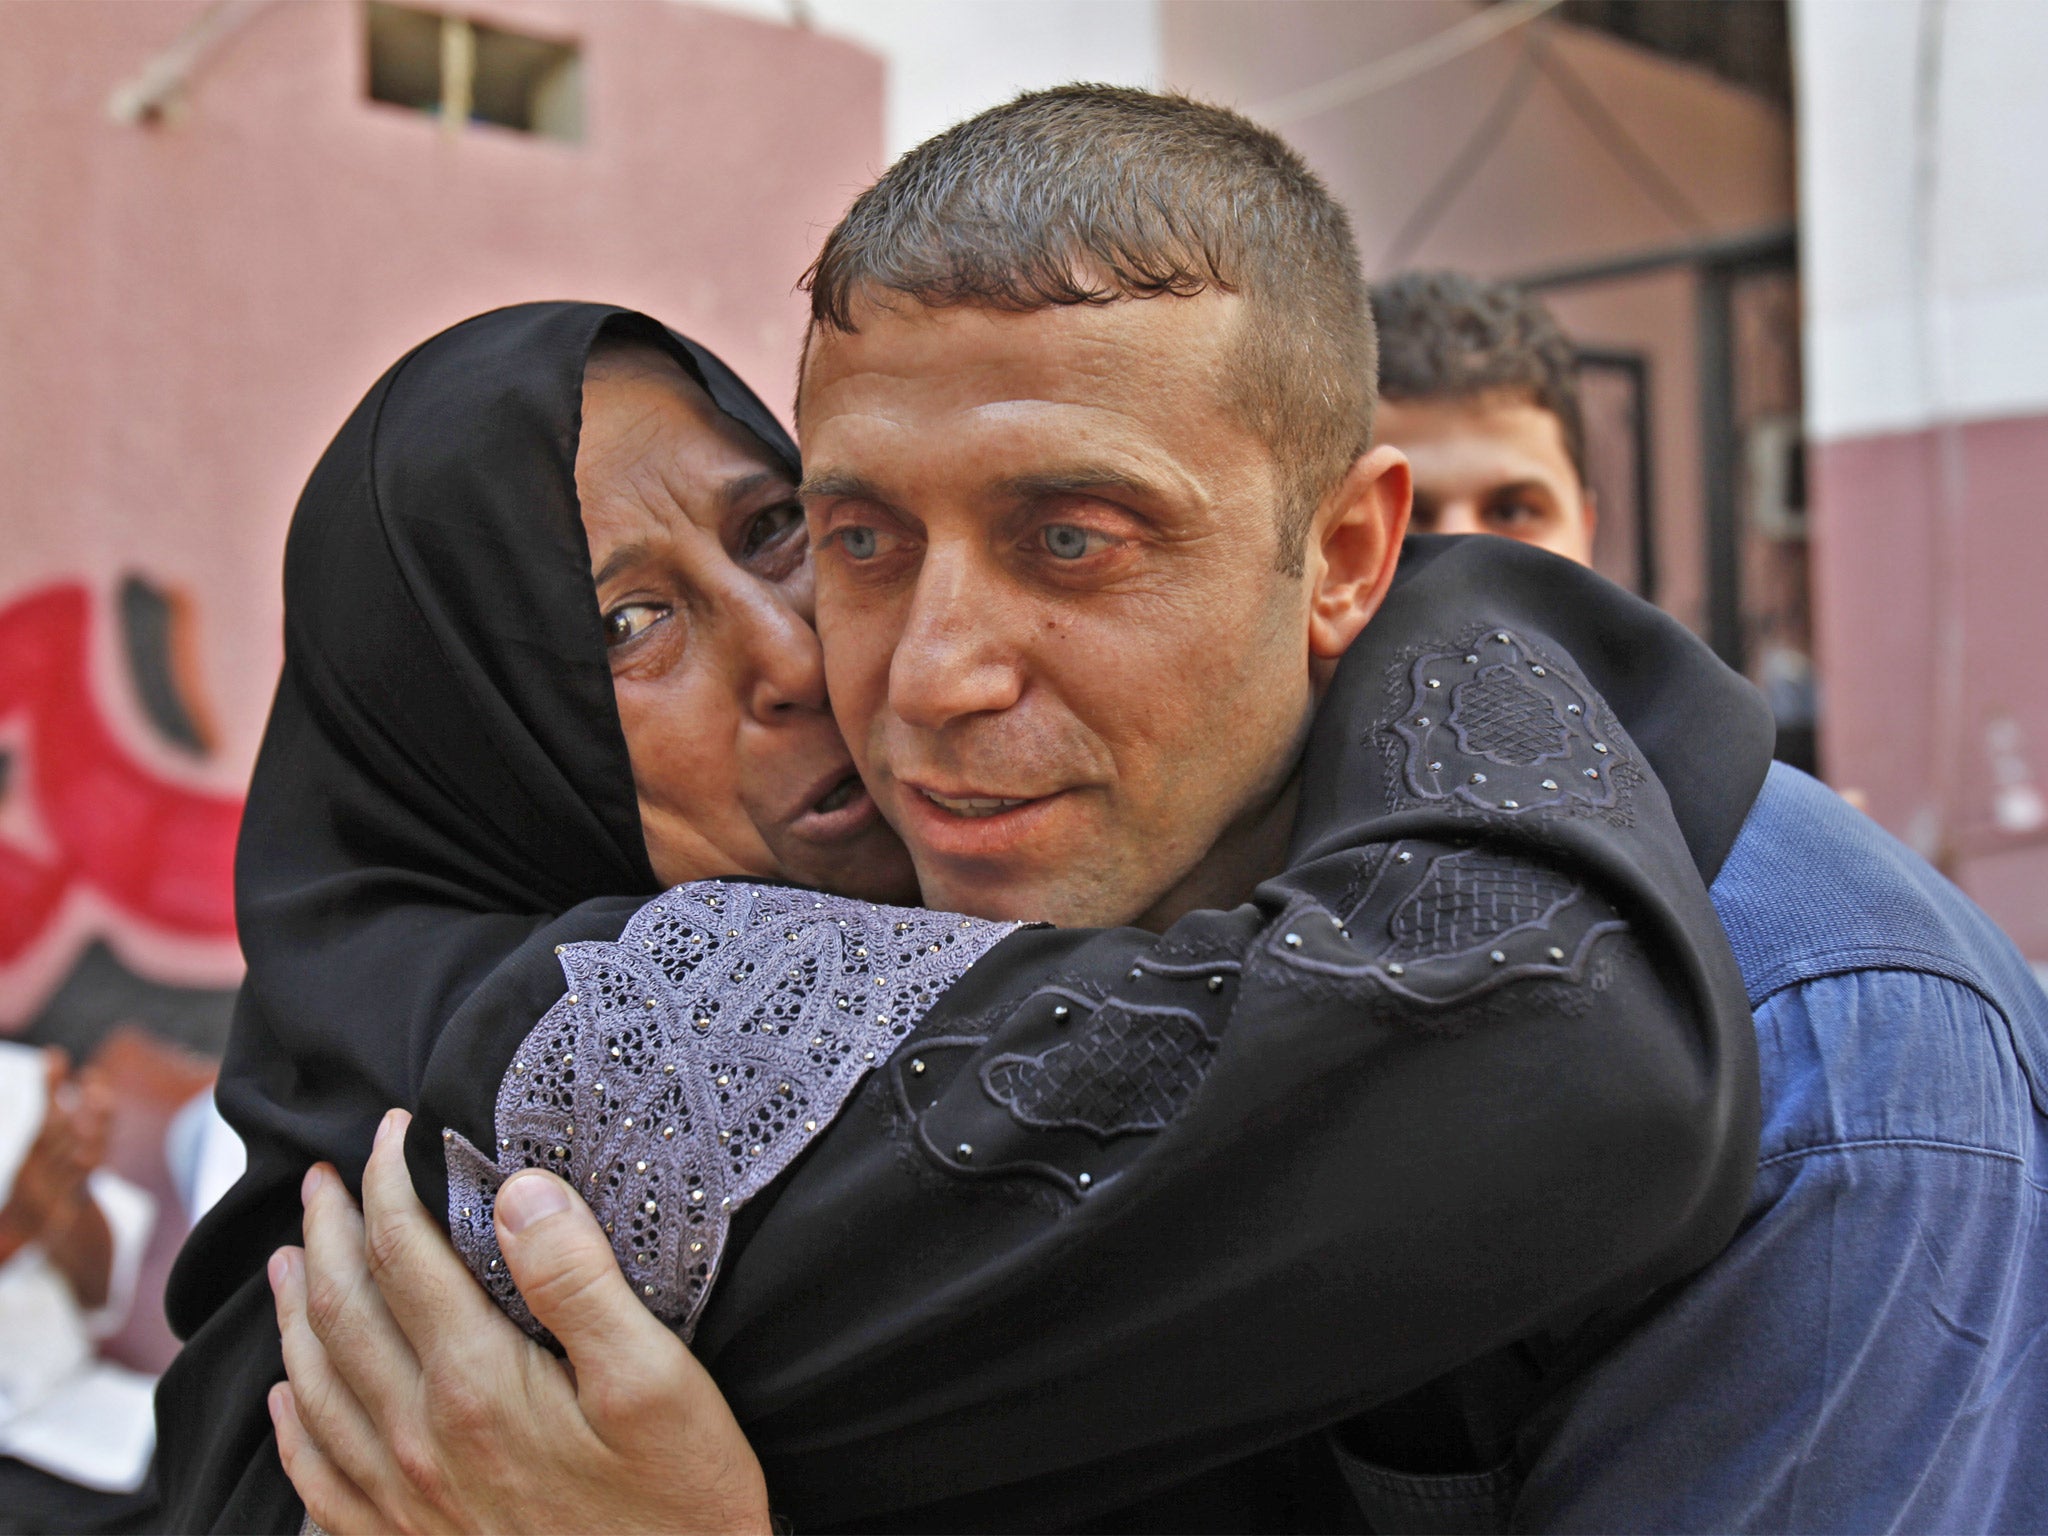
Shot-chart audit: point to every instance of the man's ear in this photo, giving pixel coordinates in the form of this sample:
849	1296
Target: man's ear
1354	545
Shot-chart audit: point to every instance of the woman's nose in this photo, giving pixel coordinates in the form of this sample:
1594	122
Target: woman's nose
785	665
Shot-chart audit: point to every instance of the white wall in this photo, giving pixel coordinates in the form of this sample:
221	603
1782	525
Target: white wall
1924	216
948	59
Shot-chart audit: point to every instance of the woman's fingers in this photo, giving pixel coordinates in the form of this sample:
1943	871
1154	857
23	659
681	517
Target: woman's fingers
335	1504
324	1413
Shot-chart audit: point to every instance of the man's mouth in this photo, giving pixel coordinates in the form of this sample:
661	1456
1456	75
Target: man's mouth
974	807
970	822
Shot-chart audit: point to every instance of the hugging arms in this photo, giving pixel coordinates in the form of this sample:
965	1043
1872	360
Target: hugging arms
1391	1153
1124	1202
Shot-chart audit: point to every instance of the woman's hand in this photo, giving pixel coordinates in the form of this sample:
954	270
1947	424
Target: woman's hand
415	1405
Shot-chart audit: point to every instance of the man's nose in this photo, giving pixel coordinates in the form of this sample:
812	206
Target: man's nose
955	656
784	665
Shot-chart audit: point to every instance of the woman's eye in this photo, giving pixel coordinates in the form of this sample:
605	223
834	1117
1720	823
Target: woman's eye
859	543
771	527
1063	541
629	621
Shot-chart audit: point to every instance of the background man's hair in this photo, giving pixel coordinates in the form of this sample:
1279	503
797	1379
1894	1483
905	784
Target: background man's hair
1091	194
1448	335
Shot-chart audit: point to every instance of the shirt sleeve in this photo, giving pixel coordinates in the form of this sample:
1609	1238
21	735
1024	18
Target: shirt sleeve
1112	1206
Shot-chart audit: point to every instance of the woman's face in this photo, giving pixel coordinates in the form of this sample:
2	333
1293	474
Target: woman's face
703	575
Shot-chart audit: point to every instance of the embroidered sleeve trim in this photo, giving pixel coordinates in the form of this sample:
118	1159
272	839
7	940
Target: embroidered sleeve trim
691	1062
1126	1068
1497	725
1442	926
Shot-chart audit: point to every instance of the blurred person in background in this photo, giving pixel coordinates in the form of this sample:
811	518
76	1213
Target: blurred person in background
75	1431
1478	388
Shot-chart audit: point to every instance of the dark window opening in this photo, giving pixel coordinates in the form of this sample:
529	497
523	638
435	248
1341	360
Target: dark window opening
464	71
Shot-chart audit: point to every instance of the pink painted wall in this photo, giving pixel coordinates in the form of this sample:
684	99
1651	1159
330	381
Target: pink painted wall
189	310
1929	584
1924	250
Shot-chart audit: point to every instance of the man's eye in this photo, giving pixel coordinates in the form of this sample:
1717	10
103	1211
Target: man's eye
1516	514
771	527
1063	541
629	621
859	543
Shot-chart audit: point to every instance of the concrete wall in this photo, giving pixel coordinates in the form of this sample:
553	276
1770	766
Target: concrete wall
1926	273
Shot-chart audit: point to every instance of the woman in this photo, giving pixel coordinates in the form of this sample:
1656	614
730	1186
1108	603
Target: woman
447	768
454	813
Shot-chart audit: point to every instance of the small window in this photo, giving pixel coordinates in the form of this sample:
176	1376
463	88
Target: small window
466	72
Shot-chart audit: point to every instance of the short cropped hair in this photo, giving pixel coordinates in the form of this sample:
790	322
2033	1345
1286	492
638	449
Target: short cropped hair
1449	335
1093	194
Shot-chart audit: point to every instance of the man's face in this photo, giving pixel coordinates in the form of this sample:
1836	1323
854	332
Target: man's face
1057	635
1492	463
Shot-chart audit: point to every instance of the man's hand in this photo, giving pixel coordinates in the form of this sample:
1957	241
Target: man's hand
414	1404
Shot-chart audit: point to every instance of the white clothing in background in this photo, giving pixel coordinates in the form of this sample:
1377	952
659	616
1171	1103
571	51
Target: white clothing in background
205	1155
60	1408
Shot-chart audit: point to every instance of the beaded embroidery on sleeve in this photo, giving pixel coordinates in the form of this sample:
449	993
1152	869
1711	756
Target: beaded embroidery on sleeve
690	1063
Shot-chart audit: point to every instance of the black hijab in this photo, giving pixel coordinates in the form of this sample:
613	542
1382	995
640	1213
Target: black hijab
443	780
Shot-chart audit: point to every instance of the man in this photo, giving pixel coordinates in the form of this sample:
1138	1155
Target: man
1478	390
1895	1212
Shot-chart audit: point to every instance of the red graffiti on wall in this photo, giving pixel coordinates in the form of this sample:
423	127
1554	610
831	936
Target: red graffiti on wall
155	851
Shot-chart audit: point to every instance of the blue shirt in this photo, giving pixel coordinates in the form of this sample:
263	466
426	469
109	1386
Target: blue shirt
1871	1351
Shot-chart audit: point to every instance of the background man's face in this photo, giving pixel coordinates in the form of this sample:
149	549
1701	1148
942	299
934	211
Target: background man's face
1492	463
1056	634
